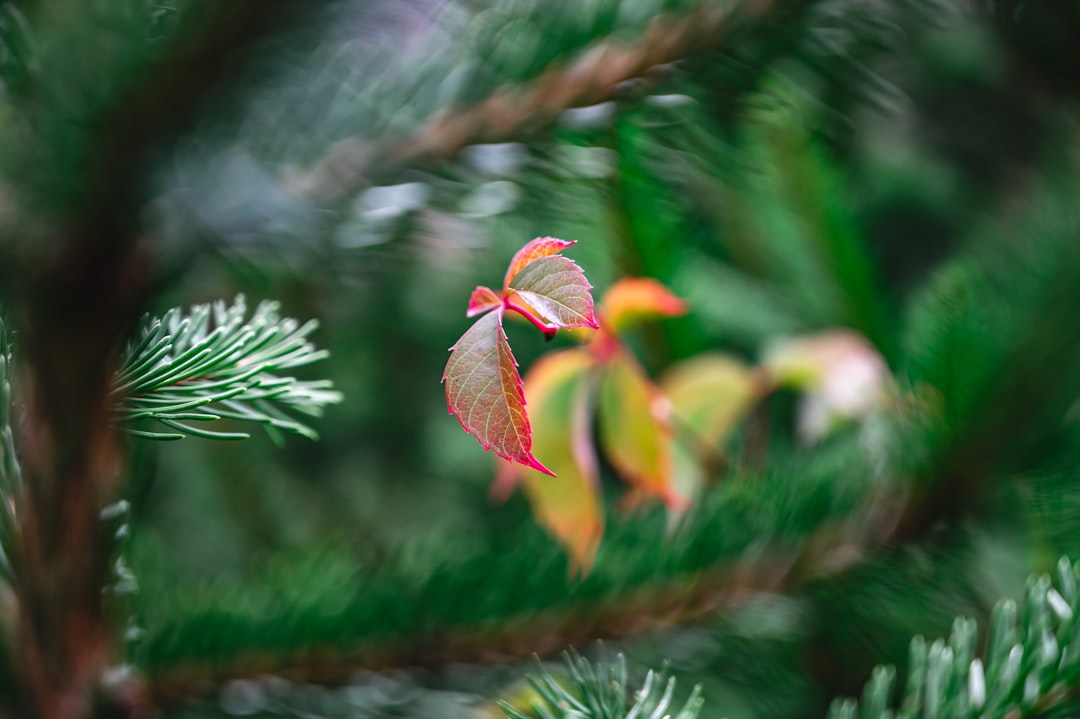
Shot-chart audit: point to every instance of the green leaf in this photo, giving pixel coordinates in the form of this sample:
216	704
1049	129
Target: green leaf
601	692
484	392
1026	668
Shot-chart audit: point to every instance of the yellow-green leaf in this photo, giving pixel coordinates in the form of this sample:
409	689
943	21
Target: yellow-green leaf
635	431
567	505
710	394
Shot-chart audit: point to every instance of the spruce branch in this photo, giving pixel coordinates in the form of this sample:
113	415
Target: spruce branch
593	76
1031	663
211	364
603	691
641	582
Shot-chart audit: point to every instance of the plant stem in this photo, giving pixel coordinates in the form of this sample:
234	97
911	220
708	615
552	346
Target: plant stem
548	330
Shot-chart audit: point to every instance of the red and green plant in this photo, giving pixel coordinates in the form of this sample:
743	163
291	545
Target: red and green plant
483	387
663	438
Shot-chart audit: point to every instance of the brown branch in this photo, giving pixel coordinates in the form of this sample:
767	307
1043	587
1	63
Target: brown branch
833	549
594	76
76	273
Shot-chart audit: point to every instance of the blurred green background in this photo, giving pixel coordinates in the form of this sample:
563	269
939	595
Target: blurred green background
907	170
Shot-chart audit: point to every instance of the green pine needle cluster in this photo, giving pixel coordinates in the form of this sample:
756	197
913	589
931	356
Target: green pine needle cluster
213	363
602	691
1030	665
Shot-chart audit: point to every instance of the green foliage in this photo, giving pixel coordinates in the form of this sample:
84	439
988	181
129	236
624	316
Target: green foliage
788	167
422	599
1030	664
10	472
602	691
211	364
14	49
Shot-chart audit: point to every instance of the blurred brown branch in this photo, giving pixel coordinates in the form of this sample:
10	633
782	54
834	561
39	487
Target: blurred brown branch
836	547
75	277
594	76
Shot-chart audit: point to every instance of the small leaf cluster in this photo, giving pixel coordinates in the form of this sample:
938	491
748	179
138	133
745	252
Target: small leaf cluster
603	692
661	437
664	437
214	363
483	387
565	389
1031	662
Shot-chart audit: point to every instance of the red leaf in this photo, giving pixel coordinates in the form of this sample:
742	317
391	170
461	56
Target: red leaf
534	250
483	389
557	289
482	300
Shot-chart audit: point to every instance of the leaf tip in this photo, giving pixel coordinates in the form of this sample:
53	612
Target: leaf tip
534	249
482	300
533	463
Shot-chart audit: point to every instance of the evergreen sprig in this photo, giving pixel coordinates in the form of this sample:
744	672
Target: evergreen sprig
212	364
1031	662
601	691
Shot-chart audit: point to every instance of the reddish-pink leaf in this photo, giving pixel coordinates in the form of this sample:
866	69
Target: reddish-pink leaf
483	389
482	300
534	250
567	505
557	289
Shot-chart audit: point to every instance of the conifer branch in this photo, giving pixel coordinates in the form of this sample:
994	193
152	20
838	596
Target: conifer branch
214	364
1031	663
594	76
635	587
603	691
